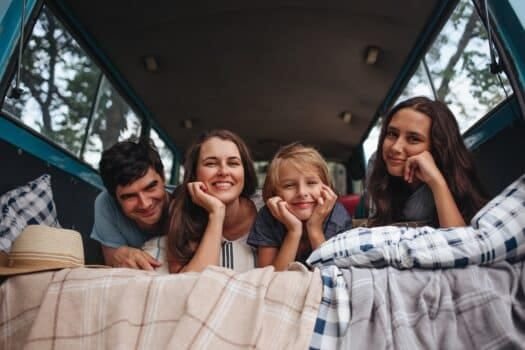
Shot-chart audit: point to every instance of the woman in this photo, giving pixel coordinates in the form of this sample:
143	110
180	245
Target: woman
422	170
211	212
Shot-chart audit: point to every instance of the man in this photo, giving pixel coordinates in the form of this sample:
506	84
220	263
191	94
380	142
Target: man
133	207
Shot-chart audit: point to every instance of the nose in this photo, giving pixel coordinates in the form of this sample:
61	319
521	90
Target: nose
222	169
398	145
302	190
144	200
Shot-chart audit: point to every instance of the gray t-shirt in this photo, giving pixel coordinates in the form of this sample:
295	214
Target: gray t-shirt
112	228
420	206
267	231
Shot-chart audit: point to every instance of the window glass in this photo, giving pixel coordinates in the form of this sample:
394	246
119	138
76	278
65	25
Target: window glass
59	83
459	60
418	85
165	154
458	72
113	120
370	143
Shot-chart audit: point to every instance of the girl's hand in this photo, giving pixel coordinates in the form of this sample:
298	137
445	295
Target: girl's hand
279	209
325	204
423	168
199	196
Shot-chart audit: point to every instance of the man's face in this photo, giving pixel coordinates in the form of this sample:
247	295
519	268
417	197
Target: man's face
143	200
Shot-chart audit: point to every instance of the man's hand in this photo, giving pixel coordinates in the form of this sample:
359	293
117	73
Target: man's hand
129	257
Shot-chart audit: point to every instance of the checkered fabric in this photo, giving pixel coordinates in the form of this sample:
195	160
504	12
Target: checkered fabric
26	205
496	233
334	311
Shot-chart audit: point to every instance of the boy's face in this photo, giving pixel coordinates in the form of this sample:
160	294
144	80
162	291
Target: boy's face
299	188
143	200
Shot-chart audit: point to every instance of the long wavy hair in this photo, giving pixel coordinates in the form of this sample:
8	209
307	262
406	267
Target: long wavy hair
450	154
187	221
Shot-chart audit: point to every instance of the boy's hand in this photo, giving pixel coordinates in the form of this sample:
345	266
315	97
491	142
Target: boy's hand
325	204
279	209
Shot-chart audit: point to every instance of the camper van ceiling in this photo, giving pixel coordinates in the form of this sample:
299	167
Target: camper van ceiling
268	70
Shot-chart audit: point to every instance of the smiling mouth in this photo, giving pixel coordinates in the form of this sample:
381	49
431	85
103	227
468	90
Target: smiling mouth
396	161
303	205
222	185
149	213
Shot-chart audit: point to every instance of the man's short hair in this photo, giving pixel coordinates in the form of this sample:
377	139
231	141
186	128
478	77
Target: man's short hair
128	161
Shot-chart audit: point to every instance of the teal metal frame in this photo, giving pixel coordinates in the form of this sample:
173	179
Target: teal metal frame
39	147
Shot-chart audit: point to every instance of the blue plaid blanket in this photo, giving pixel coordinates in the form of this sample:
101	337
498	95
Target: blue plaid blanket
496	233
389	308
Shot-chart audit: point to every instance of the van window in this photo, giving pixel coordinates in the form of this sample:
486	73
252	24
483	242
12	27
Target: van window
165	154
455	69
66	97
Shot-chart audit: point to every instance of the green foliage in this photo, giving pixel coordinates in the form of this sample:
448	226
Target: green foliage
60	83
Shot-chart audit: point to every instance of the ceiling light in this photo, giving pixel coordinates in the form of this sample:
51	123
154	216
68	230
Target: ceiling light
346	117
372	54
186	124
150	63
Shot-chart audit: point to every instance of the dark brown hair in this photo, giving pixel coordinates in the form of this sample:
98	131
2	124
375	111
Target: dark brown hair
128	161
187	221
452	158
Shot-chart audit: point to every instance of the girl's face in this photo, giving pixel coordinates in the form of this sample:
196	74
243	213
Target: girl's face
299	188
220	169
407	134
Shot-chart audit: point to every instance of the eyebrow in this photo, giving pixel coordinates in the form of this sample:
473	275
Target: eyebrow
414	133
150	185
217	158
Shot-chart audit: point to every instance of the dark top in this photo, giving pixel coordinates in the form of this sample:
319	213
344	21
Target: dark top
267	231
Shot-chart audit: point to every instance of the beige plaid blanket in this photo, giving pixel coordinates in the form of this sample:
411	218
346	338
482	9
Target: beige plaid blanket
128	309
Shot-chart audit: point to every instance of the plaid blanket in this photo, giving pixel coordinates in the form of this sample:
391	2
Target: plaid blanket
123	308
496	233
471	308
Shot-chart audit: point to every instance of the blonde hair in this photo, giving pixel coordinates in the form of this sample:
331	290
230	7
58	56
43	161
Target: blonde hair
299	156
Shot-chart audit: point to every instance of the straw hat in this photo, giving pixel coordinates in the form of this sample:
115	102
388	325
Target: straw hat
42	248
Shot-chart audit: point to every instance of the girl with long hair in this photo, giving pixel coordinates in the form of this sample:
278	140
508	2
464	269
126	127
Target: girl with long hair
211	212
422	170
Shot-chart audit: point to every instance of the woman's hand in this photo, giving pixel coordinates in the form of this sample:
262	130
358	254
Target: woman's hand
422	167
279	209
199	196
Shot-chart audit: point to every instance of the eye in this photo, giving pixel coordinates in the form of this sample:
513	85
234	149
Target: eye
413	139
234	163
312	182
126	197
287	185
391	134
210	164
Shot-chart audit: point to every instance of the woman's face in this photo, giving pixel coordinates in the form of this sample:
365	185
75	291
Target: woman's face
407	134
220	169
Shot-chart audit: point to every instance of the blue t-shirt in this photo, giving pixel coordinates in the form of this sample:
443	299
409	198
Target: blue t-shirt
112	228
267	231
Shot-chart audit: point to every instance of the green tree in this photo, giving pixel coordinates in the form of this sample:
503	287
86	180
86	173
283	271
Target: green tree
62	81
